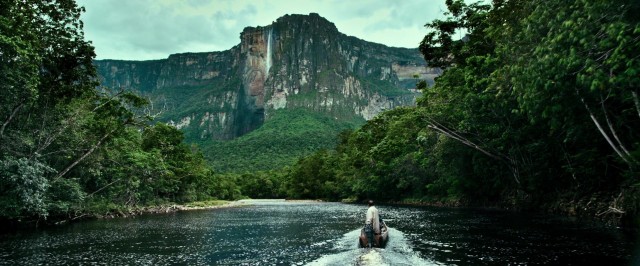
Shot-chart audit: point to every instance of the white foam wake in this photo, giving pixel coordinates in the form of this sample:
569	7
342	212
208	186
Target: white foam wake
397	252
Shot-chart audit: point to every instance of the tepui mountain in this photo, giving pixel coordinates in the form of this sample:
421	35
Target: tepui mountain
298	64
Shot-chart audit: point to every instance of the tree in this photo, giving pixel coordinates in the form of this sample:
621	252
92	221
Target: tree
23	186
45	69
549	90
583	78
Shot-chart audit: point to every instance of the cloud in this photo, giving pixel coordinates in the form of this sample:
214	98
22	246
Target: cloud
148	28
152	29
393	23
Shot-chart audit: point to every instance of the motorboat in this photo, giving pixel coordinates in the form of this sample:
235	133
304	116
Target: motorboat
378	241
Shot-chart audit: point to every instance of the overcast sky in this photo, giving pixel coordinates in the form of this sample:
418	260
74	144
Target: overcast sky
154	29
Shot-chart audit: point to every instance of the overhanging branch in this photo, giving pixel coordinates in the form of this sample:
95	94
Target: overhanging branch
511	163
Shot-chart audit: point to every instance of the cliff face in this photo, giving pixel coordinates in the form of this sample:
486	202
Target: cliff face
299	61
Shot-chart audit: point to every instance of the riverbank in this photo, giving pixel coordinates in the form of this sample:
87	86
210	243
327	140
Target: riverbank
282	233
198	205
168	208
111	211
614	209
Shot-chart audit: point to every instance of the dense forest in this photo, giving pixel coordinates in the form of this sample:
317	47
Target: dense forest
537	108
69	148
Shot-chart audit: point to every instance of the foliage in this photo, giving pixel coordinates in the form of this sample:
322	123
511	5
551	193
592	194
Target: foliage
68	148
262	184
290	133
313	177
537	102
23	186
65	196
208	203
153	166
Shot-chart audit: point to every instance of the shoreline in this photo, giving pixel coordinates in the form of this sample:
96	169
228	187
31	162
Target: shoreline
570	208
192	206
596	208
562	208
170	208
577	208
124	212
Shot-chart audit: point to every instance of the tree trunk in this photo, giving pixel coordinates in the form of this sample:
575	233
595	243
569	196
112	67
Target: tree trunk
615	136
512	164
11	116
601	129
54	136
85	155
636	101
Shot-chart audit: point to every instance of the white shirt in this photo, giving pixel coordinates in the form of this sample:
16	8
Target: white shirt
374	218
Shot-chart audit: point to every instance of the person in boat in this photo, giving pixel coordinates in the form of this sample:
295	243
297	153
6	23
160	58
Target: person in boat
373	217
372	222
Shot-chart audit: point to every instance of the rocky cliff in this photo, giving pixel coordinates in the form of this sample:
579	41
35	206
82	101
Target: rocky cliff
297	62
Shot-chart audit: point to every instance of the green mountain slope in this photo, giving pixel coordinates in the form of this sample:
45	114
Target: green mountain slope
284	91
287	136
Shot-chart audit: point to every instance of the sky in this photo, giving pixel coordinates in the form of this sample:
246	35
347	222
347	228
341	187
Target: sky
154	29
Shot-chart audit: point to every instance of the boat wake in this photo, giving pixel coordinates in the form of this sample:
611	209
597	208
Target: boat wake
397	252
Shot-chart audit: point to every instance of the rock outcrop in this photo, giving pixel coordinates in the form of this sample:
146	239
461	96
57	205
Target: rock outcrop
298	61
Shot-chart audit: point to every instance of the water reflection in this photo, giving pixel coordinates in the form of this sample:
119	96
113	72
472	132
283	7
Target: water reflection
300	233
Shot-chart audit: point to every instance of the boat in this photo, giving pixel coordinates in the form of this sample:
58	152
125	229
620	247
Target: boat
379	241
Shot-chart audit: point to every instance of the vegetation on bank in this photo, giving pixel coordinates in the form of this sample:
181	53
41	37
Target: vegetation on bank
69	150
537	107
289	134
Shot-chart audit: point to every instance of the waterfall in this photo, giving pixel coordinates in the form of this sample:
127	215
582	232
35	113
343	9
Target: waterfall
268	63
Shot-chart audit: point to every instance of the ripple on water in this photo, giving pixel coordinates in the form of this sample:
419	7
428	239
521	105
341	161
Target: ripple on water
397	252
277	233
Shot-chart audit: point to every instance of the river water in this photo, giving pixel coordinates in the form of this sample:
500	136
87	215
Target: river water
310	233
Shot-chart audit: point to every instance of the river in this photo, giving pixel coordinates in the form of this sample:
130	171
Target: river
312	233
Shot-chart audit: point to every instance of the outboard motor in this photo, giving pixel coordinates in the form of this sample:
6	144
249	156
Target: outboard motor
368	231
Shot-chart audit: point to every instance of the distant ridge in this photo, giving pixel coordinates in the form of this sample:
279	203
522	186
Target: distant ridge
299	62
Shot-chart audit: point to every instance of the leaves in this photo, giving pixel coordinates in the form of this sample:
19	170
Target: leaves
23	185
64	144
536	100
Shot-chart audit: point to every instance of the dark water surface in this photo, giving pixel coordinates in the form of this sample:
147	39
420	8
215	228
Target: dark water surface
306	233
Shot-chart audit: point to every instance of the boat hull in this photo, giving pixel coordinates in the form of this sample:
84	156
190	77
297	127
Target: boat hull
379	241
